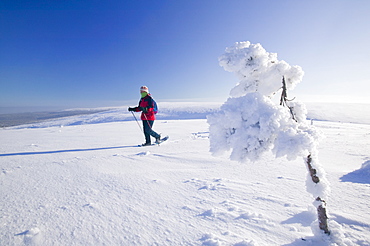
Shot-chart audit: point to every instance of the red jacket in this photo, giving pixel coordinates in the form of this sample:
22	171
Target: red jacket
146	104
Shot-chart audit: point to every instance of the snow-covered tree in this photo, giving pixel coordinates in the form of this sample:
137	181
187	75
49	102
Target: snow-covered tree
250	123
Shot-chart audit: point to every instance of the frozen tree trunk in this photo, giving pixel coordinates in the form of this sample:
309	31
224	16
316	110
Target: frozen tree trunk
321	204
263	126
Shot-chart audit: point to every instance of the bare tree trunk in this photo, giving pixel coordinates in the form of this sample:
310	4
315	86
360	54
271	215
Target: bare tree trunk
321	208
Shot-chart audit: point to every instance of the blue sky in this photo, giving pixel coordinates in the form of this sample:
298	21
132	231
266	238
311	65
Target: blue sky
98	53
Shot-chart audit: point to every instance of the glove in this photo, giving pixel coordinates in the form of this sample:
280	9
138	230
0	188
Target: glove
145	110
131	109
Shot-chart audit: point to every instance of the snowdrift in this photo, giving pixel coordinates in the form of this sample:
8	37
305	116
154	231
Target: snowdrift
76	181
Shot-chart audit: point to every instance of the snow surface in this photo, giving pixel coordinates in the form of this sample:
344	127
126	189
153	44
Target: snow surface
82	180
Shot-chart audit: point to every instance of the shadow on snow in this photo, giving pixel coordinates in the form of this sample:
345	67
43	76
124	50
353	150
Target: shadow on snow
66	151
361	176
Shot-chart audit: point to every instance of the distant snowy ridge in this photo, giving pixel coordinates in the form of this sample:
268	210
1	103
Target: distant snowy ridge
339	112
349	113
167	111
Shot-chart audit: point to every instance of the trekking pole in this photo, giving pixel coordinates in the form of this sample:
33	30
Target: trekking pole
137	121
147	121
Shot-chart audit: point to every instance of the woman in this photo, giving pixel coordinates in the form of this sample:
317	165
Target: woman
146	106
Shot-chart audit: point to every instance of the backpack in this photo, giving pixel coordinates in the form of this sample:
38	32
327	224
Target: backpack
155	107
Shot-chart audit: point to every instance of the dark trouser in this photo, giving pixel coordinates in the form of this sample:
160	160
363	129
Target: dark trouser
148	131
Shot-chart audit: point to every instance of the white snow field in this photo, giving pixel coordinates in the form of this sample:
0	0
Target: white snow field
82	180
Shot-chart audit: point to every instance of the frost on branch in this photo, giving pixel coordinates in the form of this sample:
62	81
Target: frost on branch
252	124
249	123
258	70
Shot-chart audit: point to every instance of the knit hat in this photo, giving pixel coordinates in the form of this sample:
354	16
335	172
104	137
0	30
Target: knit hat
144	88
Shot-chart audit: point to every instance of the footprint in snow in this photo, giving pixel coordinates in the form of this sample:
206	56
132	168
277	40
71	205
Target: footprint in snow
210	240
143	153
208	213
31	237
214	184
200	135
5	171
90	206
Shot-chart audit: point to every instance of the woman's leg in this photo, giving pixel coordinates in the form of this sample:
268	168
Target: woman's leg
147	129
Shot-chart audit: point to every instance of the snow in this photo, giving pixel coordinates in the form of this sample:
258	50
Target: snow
360	176
82	180
258	70
250	124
